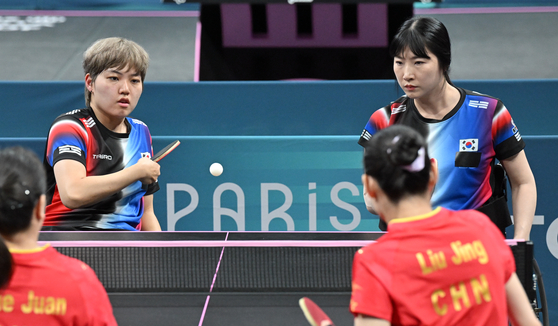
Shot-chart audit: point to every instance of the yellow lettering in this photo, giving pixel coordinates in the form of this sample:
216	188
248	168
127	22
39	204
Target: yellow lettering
27	308
480	251
457	258
422	263
39	307
441	260
468	252
437	261
50	306
61	306
44	305
435	297
7	303
480	289
459	294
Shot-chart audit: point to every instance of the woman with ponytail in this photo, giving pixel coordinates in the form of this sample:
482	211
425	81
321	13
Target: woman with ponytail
41	286
433	266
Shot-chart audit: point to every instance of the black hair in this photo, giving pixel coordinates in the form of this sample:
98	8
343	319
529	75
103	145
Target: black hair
22	182
422	34
6	265
397	158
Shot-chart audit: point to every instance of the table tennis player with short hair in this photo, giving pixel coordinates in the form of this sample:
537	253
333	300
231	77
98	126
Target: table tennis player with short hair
100	175
433	266
46	287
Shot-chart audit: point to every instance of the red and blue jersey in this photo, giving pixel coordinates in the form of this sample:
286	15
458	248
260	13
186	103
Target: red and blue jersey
78	135
465	143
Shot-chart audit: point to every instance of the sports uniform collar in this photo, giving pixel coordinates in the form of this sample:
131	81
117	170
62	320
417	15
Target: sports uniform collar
447	116
106	130
416	218
30	251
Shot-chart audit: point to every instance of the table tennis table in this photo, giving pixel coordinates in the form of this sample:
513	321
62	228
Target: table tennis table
232	278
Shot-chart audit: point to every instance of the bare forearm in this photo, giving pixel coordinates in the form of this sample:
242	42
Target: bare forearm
524	202
149	221
524	193
91	189
362	320
77	189
519	309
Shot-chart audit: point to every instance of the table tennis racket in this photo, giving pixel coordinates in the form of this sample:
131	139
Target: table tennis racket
313	313
165	151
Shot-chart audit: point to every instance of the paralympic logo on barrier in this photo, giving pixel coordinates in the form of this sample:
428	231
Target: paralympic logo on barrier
267	215
30	23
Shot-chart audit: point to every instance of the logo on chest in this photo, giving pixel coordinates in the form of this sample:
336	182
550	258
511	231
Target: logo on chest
479	104
468	155
399	109
102	157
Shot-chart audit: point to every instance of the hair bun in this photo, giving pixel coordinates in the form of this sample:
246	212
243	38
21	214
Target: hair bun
13	194
403	150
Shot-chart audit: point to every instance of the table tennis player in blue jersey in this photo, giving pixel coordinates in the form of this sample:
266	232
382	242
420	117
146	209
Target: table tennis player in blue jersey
100	175
466	131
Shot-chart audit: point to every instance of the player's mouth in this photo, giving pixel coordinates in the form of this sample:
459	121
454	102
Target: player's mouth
410	87
124	102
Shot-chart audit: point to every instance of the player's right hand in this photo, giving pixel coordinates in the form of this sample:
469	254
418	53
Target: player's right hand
149	171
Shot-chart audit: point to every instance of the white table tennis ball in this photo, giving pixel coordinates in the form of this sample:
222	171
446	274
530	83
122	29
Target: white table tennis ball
216	169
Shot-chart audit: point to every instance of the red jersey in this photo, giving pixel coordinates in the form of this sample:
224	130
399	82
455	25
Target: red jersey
442	268
49	288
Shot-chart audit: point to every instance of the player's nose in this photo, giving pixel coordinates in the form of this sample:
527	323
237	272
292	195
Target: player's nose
125	87
408	73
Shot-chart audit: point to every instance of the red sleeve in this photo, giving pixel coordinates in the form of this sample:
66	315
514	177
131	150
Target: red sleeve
497	242
378	120
67	139
506	137
98	307
369	295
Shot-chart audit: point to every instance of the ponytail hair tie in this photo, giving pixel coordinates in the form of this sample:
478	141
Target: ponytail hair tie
418	163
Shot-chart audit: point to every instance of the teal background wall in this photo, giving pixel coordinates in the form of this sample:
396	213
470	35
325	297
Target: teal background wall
259	108
289	150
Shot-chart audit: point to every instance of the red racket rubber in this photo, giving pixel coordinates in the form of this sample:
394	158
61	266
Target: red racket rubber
165	151
313	313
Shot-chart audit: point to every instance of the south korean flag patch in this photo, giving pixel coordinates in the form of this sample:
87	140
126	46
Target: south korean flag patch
469	155
469	145
146	154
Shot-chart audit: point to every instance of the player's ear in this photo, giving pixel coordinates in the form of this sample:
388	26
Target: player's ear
433	173
39	210
370	194
369	185
89	82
